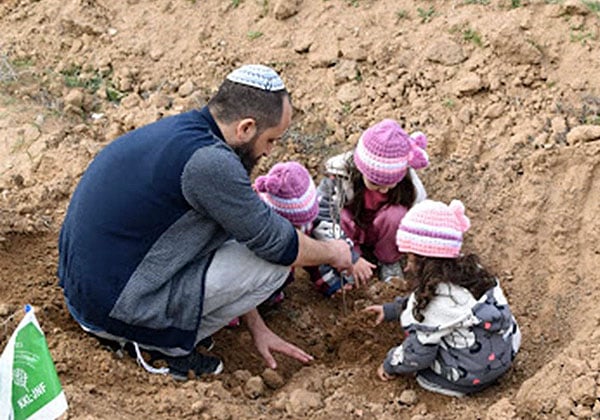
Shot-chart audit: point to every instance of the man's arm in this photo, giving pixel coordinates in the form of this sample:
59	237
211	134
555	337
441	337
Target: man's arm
312	252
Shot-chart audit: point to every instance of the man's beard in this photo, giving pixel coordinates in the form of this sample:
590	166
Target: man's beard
246	155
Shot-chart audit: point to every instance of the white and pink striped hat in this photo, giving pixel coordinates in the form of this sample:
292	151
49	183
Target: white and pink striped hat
385	152
433	229
289	189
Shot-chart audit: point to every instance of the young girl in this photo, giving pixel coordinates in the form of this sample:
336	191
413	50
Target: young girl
375	184
290	191
460	335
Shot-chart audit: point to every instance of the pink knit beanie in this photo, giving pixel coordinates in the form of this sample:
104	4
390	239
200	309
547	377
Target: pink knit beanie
385	152
289	189
433	229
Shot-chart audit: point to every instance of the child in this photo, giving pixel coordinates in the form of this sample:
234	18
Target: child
289	189
376	184
460	335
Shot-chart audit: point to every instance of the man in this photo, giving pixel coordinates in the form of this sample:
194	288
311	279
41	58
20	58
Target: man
164	241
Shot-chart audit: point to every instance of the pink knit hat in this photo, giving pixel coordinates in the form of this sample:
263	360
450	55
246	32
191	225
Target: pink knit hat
385	152
289	189
433	229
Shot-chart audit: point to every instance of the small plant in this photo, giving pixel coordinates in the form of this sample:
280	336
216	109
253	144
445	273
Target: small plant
235	3
346	108
515	3
448	103
594	6
401	14
252	35
582	37
358	76
426	15
73	78
484	2
592	119
113	94
473	36
353	3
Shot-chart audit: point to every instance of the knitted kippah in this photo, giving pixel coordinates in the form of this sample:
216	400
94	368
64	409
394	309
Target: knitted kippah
289	189
385	152
433	229
257	76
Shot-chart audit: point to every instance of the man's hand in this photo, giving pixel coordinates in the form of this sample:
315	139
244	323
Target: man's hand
342	256
376	309
363	271
335	252
266	341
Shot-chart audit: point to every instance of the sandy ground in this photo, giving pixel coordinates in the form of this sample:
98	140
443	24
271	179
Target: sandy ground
507	92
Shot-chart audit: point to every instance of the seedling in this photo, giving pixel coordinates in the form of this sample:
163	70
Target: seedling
426	15
448	103
402	14
254	34
473	36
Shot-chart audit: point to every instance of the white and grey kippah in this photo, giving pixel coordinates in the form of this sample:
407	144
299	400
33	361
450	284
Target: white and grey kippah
258	76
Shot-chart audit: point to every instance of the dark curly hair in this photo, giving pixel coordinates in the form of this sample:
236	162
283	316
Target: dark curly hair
465	271
403	193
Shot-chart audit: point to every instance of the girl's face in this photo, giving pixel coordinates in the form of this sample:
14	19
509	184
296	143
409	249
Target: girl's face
383	189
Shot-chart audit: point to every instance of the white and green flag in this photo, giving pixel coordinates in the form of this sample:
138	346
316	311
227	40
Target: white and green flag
29	385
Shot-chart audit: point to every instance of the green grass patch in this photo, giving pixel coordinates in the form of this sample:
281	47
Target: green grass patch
472	36
73	78
582	37
252	35
426	14
401	14
594	6
448	103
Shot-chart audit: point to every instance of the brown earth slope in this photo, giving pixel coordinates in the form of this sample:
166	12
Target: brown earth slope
508	93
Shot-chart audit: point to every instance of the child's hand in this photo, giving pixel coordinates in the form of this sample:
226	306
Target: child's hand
376	309
363	271
383	375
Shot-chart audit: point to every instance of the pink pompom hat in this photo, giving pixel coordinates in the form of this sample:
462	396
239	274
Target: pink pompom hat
385	152
289	189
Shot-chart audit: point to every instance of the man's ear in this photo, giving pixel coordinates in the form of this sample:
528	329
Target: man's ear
246	130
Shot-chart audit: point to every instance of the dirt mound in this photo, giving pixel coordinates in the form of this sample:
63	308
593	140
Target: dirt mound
507	92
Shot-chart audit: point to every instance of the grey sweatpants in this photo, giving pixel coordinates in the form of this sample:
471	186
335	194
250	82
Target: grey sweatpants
237	281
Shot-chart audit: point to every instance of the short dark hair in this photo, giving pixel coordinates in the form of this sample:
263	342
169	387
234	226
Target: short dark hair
235	101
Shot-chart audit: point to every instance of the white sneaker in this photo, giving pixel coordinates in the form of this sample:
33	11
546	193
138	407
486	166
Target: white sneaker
433	387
